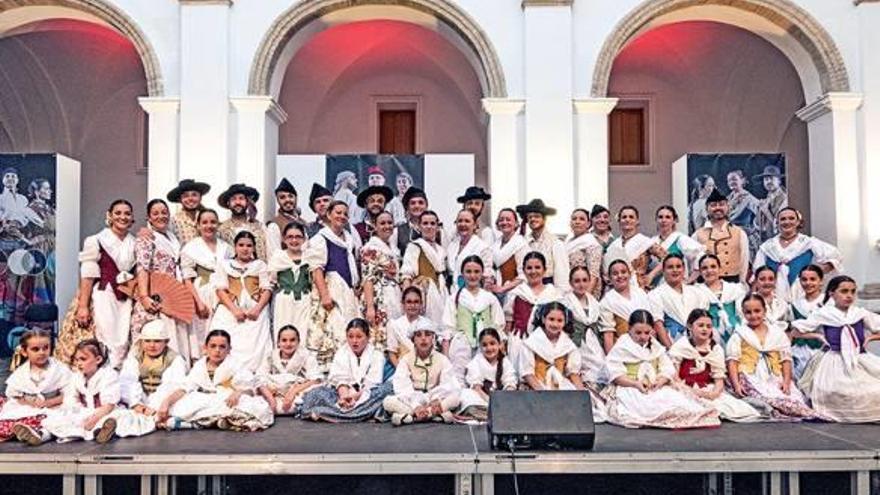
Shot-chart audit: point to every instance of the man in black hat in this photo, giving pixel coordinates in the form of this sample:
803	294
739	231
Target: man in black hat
725	240
415	203
543	241
773	203
189	194
474	199
319	200
373	200
240	200
285	198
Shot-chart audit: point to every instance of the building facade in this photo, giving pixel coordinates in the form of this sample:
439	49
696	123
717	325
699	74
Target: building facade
145	92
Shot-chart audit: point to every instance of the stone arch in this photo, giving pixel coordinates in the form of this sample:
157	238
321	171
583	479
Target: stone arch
113	17
809	46
295	18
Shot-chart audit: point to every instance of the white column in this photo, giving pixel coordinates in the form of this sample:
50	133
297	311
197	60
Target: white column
204	98
835	199
549	172
256	146
591	150
505	159
162	142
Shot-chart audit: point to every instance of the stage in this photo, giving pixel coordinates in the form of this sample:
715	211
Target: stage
780	451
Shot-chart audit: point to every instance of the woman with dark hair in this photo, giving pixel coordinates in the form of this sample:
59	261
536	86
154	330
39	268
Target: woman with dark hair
843	379
641	374
808	300
424	266
584	249
634	247
674	242
550	360
380	270
521	302
508	251
244	290
618	303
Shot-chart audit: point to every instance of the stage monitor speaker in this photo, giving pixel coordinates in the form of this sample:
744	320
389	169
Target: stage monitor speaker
541	420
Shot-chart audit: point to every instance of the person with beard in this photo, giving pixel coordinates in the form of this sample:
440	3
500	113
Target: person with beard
542	240
725	240
474	199
286	199
239	199
319	200
373	200
189	194
416	202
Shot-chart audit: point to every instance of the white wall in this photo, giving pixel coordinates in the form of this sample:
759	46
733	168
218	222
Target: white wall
712	88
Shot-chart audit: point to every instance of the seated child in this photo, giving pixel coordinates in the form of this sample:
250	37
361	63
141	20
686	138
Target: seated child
425	386
354	390
489	370
397	343
288	373
220	392
550	360
34	389
642	393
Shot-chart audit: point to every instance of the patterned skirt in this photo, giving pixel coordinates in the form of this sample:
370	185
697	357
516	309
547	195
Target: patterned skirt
6	425
320	405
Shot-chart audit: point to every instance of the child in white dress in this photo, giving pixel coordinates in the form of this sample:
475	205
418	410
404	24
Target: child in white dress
489	370
288	373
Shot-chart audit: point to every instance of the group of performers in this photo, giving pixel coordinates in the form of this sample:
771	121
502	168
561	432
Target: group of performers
351	319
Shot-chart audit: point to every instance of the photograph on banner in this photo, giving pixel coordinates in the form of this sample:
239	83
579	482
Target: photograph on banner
755	186
346	175
27	240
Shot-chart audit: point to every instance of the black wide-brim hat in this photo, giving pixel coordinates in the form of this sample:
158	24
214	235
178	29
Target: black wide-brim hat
535	206
474	192
366	193
187	185
234	189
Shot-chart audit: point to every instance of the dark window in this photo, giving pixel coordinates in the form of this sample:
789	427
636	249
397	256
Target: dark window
397	132
628	137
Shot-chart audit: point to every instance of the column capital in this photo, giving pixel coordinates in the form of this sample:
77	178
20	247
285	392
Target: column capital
830	102
503	106
259	104
546	3
159	104
594	105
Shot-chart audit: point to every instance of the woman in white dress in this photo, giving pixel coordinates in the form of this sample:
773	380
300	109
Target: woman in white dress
34	390
288	373
199	259
671	241
424	266
380	268
465	244
331	257
508	251
244	290
291	276
221	392
618	304
107	258
789	252
805	302
584	250
724	298
843	380
673	301
700	368
642	393
468	311
759	365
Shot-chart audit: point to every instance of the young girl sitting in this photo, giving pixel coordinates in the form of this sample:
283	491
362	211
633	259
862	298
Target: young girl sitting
807	297
843	381
151	382
398	343
550	360
759	365
220	392
288	373
521	301
642	375
468	311
778	308
34	390
425	386
619	302
354	390
673	301
724	298
90	398
699	361
489	370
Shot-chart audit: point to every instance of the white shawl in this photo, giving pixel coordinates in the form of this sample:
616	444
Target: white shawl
197	252
364	371
120	250
230	375
480	370
301	367
772	249
50	382
82	393
316	253
683	349
538	344
775	340
614	304
830	315
627	351
456	253
677	305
